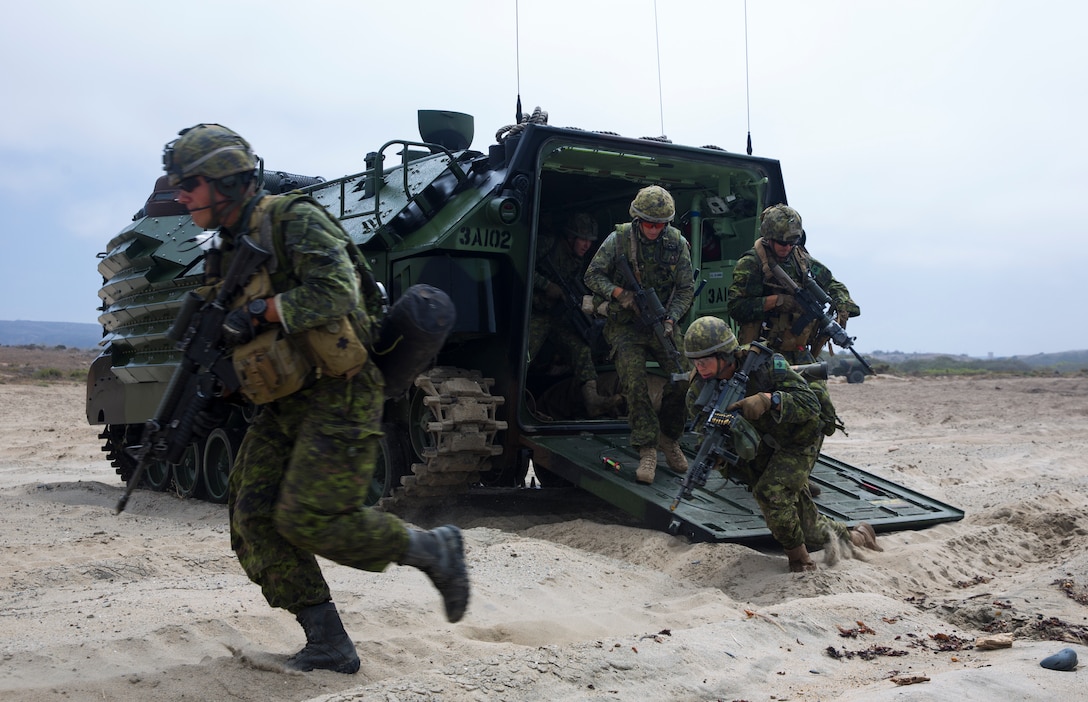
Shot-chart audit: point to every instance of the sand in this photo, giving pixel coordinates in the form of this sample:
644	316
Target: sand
570	600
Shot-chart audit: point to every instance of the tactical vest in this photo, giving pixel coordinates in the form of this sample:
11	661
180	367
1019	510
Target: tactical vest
276	364
777	327
664	251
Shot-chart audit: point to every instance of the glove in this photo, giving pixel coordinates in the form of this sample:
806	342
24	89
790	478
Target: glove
239	327
841	318
753	406
669	325
553	291
626	299
786	303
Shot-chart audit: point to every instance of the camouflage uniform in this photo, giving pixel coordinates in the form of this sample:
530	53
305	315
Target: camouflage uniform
301	476
664	264
778	475
552	319
750	286
299	484
753	283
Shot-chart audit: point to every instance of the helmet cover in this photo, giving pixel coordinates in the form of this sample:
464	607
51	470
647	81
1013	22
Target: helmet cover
653	204
209	150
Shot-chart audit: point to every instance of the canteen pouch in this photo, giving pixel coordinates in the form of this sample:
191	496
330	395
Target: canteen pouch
335	348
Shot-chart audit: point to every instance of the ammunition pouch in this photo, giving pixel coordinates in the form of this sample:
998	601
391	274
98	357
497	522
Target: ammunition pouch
749	332
270	367
745	438
782	337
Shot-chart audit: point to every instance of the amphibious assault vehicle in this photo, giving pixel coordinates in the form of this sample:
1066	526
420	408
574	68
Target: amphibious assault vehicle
468	222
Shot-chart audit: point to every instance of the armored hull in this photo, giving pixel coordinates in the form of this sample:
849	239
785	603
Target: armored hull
467	222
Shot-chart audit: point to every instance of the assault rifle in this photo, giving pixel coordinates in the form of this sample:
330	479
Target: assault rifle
204	374
653	315
717	420
587	328
813	301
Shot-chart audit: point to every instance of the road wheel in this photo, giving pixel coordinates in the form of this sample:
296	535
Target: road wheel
391	466
219	453
158	475
188	476
856	376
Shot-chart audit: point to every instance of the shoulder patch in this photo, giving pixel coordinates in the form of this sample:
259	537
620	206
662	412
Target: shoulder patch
779	367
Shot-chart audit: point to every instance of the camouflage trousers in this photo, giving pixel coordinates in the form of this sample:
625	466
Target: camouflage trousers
298	487
567	339
631	350
778	479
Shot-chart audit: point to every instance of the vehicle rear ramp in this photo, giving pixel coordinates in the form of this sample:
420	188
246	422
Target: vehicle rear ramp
604	465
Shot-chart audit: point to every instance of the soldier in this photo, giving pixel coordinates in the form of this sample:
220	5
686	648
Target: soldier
301	476
553	313
785	414
661	259
762	306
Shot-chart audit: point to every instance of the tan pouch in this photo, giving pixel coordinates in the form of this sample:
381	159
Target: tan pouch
335	348
749	332
270	367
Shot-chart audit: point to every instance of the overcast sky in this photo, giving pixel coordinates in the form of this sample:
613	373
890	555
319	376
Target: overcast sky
936	150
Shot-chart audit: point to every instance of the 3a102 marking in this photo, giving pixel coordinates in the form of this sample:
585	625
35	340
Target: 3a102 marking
481	238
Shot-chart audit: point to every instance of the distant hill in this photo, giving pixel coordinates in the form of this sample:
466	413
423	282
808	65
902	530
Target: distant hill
1067	361
70	334
1063	361
86	336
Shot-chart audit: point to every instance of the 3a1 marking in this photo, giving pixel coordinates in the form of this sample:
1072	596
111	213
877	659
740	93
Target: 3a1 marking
715	296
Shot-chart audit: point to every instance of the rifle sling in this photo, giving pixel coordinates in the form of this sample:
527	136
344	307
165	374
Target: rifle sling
633	260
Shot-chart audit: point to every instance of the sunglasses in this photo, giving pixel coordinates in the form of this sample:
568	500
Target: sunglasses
189	184
783	243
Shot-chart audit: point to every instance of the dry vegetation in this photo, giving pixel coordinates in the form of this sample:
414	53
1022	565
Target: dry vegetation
36	364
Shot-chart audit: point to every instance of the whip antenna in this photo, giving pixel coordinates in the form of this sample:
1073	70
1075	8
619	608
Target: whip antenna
660	98
747	97
517	58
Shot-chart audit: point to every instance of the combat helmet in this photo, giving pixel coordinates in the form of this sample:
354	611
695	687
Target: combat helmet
581	225
709	336
209	150
781	223
653	204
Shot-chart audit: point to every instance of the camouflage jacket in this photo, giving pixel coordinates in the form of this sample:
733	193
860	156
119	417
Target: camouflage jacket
797	422
751	286
554	256
314	277
663	264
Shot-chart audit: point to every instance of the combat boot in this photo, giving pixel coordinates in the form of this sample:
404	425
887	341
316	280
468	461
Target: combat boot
440	553
328	646
864	536
799	559
596	404
676	459
647	465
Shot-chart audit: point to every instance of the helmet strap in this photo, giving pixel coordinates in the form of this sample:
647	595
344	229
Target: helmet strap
235	191
724	361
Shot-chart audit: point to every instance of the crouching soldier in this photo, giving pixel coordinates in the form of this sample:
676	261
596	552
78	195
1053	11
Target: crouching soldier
785	414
